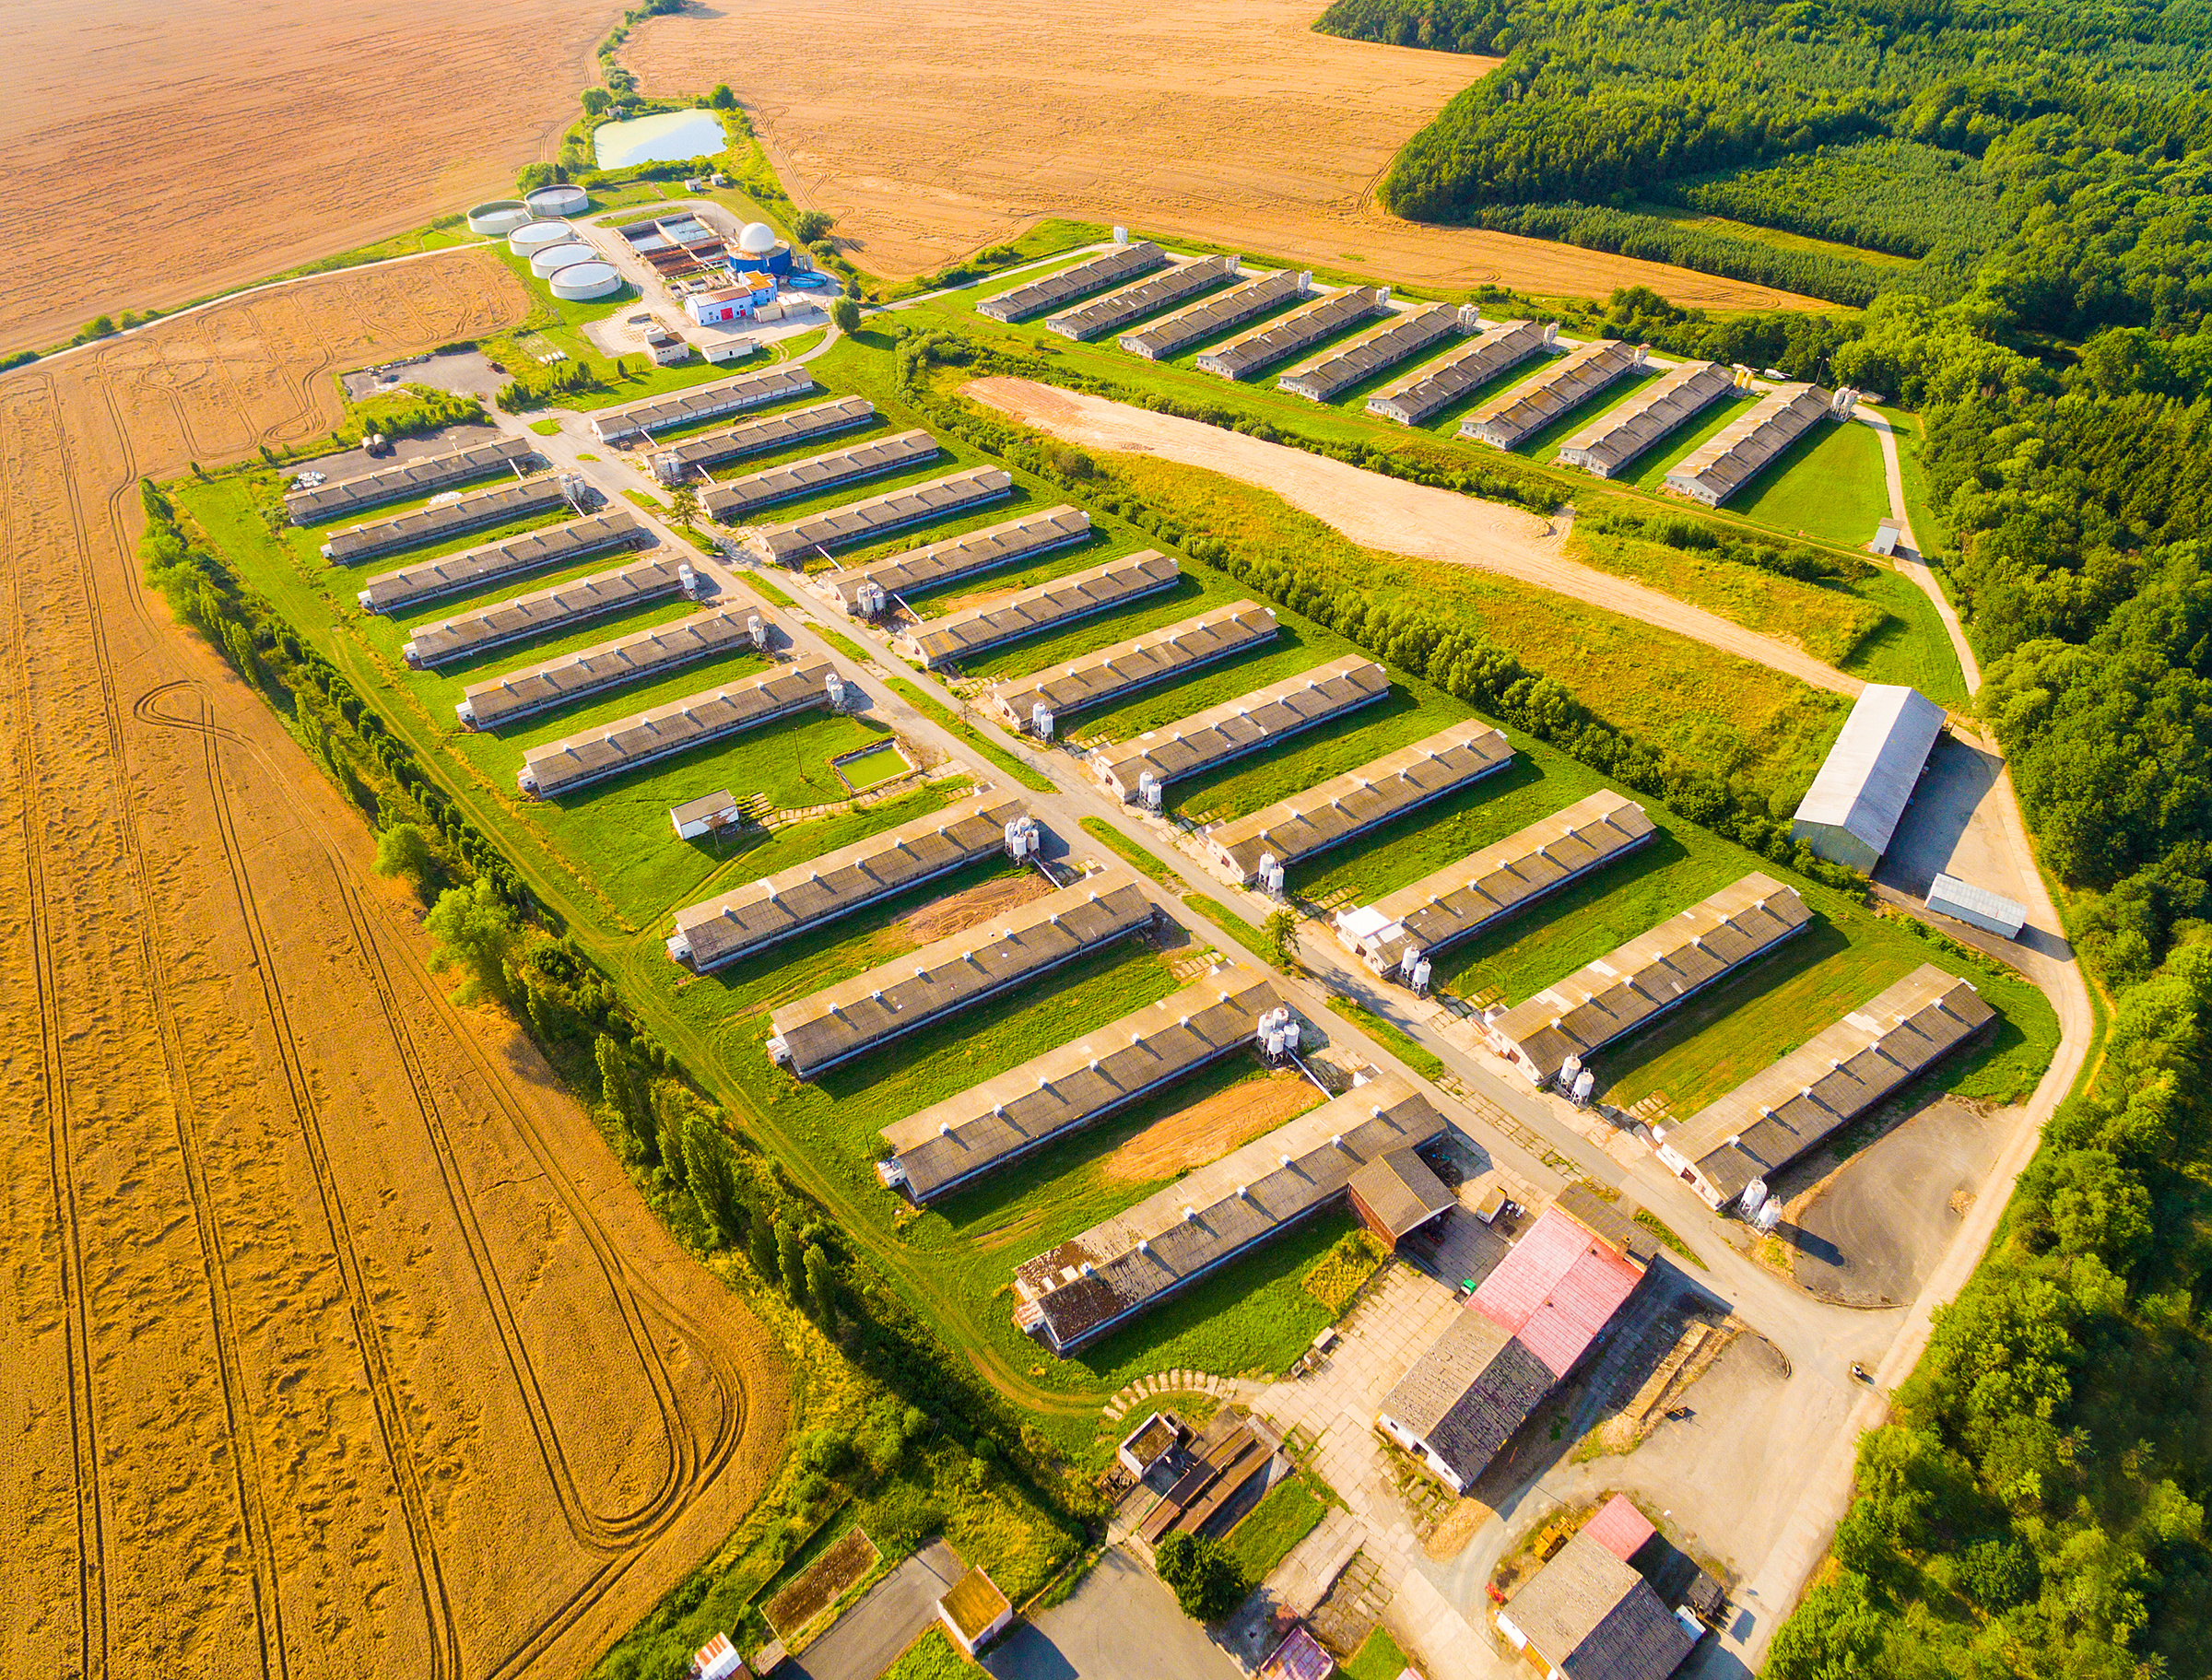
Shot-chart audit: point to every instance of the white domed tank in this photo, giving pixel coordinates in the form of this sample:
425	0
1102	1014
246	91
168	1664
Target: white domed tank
582	282
499	217
757	239
532	237
550	260
559	199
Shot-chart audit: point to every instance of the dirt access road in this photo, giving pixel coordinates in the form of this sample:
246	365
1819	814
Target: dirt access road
930	128
335	1339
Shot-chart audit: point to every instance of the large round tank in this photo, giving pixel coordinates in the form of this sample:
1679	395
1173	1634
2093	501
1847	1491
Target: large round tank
560	199
551	259
581	281
499	217
756	238
534	236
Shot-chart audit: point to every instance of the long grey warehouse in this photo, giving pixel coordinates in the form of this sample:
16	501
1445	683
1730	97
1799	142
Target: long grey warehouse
497	506
864	521
1285	335
1517	414
1626	989
532	551
859	1015
1612	440
1851	812
406	479
1308	823
1437	385
1102	315
564	766
1093	274
1753	440
1070	1295
1224	732
1120	670
1216	314
936	564
1383	347
563	608
681	460
731	501
807	895
588	671
1077	1084
702	403
1049	606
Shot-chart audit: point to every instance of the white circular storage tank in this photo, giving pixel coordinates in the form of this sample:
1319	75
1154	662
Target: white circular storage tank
758	240
551	259
559	199
581	281
536	236
499	217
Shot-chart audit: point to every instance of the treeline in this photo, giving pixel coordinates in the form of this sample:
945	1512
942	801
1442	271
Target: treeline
1895	195
1444	26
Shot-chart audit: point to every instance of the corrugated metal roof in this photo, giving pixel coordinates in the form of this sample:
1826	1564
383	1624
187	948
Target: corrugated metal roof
936	564
1383	347
1976	905
771	431
1093	274
1468	1393
1445	381
1215	314
1103	315
1619	1527
496	506
731	501
1051	605
610	664
1229	731
1748	444
1614	439
1115	671
1556	1290
406	479
1299	1657
704	402
533	551
1400	1191
1286	335
1508	418
563	766
1594	1617
563	608
1870	772
862	521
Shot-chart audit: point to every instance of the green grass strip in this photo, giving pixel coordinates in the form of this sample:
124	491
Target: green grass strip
1128	850
1661	1229
975	737
1378	1658
1285	1515
1235	926
1376	1027
768	589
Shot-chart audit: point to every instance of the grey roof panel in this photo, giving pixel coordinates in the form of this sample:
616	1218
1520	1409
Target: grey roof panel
1115	672
562	767
935	564
1093	274
1748	444
864	521
533	551
405	478
1217	313
1514	415
563	608
1868	776
496	506
1048	606
771	431
734	498
1285	335
1400	336
1445	381
1595	1618
704	402
1613	439
1245	725
1102	315
506	699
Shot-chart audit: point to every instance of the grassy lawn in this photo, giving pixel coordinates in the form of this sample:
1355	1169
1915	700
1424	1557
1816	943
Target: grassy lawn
1128	850
1422	1061
1286	1514
1235	926
932	1657
1827	487
975	737
1378	1658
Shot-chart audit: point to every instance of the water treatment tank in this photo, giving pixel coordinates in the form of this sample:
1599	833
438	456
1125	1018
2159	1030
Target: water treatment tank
559	199
586	280
757	239
532	237
550	260
499	217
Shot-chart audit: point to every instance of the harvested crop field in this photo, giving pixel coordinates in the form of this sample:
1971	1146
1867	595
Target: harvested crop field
310	130
1233	121
1210	1128
337	1340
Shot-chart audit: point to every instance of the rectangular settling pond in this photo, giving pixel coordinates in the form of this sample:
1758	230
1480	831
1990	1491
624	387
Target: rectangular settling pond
669	137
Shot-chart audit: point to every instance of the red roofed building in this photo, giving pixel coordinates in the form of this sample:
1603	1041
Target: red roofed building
1557	1289
1619	1527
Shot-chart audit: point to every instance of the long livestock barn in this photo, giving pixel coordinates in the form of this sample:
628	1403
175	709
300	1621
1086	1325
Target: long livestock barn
612	664
1751	442
1285	335
499	506
1629	988
1464	899
1126	666
986	1127
1612	440
811	894
563	608
936	564
731	501
864	521
1225	732
1308	823
702	403
1216	314
1383	346
869	1010
1103	315
1449	378
1506	419
533	551
680	460
1093	274
1782	1111
564	766
1049	606
1070	1295
405	478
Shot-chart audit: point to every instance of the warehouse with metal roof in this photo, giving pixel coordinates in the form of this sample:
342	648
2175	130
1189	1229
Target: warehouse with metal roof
1308	823
1513	416
772	908
1401	336
1072	1294
1216	314
405	478
1222	734
1828	1082
1049	606
560	608
1479	892
498	506
688	456
1031	940
702	403
731	501
933	565
1113	673
1285	335
1080	1083
1851	812
509	700
1633	986
1613	439
562	767
562	545
1588	1613
1115	267
879	516
1116	309
1753	440
1451	379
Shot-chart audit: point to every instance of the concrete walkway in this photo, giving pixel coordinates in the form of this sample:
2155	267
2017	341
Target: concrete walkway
868	1638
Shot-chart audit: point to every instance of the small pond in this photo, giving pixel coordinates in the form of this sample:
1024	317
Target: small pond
670	137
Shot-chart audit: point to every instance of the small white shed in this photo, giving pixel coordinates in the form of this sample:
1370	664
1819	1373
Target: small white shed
1977	907
697	819
1886	536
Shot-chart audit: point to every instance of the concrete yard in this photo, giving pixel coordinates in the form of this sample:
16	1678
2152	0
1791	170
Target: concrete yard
869	1636
1119	1623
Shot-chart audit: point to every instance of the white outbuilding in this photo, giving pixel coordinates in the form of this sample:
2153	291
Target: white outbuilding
1854	806
1977	907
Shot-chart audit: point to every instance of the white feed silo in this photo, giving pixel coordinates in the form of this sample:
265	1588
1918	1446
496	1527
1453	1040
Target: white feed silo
551	259
532	237
560	199
583	281
499	217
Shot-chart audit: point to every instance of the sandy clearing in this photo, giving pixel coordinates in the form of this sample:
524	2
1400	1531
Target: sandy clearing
1209	1128
929	129
159	153
942	918
1390	514
318	1295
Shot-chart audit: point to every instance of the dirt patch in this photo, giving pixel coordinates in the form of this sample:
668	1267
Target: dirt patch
1210	1128
942	918
816	1590
321	1292
1232	122
1449	1538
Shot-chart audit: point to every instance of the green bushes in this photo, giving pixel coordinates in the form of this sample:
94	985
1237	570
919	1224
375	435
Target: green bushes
1887	195
1208	1580
533	388
1697	536
406	413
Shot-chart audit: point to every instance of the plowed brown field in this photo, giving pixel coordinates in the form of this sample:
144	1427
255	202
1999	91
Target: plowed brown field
931	127
332	1338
